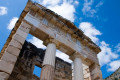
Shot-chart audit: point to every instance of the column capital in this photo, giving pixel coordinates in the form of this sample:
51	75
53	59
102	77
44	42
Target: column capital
82	55
51	40
75	55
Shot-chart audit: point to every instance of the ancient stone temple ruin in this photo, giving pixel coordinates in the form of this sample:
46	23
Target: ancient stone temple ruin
19	57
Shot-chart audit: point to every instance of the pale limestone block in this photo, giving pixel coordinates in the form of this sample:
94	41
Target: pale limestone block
34	21
3	79
87	75
85	66
21	33
15	44
25	27
84	71
3	76
97	76
94	71
88	70
10	58
6	67
19	38
13	50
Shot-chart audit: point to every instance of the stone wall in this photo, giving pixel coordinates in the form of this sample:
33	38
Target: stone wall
63	70
30	56
86	72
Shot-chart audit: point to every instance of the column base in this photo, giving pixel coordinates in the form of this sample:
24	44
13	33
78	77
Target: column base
47	72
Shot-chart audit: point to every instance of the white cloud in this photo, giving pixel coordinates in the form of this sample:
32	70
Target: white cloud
88	10
118	47
65	8
37	42
76	2
99	4
106	55
114	65
63	56
3	10
12	23
50	2
90	30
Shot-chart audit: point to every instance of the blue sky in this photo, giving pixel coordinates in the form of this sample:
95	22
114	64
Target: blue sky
99	19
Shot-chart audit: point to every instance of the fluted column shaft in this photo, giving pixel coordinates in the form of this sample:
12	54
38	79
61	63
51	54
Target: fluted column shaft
78	69
47	72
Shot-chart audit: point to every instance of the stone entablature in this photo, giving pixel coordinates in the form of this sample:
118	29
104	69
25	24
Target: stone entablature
63	36
68	28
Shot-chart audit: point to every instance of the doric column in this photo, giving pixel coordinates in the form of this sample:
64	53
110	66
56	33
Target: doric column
12	51
95	72
77	67
47	72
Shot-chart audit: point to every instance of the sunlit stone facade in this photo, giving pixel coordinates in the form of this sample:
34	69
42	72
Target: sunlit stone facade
56	32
